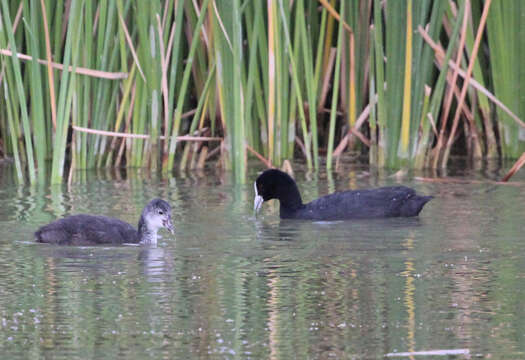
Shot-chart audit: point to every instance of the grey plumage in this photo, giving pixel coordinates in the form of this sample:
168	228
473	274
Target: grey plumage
85	229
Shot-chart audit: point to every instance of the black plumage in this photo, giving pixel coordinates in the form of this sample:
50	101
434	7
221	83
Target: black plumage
393	201
96	230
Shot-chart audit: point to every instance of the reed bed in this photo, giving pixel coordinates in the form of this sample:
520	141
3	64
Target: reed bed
166	84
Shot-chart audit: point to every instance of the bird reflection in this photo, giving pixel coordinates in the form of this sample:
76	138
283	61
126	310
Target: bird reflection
156	262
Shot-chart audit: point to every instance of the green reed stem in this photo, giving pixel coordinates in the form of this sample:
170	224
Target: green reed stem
20	91
335	92
66	91
297	88
184	88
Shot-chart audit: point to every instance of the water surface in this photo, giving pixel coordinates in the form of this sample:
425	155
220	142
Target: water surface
228	285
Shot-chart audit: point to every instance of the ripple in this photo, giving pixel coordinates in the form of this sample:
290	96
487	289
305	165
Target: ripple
229	284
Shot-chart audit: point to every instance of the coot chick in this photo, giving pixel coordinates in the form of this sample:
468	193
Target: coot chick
393	201
95	230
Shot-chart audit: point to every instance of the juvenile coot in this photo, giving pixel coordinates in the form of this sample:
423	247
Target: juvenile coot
383	202
93	230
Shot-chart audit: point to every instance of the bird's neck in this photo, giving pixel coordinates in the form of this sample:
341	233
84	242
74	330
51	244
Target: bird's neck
288	212
290	200
146	234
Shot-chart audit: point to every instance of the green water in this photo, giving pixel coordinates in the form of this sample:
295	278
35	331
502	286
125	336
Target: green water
228	285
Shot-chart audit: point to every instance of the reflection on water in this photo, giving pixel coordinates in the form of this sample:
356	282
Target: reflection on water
229	285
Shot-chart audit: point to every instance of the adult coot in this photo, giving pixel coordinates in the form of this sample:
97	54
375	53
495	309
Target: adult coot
383	202
93	230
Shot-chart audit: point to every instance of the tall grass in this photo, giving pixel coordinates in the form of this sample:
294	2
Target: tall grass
124	83
20	92
506	39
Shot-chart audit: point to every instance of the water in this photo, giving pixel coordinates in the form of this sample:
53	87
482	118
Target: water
228	285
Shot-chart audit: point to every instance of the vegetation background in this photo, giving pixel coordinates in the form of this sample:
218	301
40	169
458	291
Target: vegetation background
176	83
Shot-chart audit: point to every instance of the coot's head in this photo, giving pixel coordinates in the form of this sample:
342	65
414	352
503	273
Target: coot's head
157	214
276	184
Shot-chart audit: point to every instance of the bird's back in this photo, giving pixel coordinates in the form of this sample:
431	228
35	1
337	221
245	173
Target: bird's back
382	202
87	230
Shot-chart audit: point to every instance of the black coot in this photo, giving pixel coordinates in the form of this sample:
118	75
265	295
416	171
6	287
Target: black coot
94	230
383	202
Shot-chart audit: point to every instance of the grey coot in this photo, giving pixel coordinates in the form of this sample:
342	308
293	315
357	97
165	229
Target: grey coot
393	201
96	230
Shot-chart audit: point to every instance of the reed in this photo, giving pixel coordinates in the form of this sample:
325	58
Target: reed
333	108
506	40
16	67
278	81
184	88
